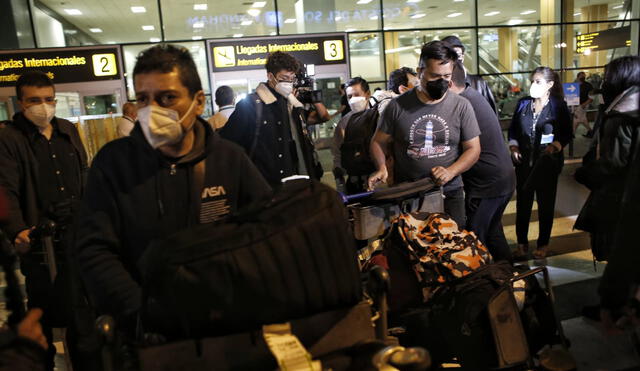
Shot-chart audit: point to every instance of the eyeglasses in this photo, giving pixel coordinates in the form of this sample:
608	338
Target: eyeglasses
293	81
38	100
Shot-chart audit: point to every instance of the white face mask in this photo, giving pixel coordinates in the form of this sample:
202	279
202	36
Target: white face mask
284	88
358	104
537	90
40	114
162	126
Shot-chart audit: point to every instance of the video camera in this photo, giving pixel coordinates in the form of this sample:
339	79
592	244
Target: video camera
304	85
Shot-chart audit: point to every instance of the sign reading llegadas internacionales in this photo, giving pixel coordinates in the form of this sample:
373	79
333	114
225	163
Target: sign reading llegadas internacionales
251	54
62	65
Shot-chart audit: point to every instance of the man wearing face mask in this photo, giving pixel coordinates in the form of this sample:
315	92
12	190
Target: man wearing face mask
269	124
42	167
172	172
432	132
358	97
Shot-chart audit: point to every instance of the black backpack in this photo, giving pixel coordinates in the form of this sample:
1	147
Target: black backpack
356	159
287	257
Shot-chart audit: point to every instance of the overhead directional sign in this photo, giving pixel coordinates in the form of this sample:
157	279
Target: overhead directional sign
608	39
250	54
571	93
64	65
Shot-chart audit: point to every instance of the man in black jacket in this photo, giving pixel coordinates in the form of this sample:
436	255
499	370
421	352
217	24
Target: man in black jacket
474	81
42	166
269	124
172	172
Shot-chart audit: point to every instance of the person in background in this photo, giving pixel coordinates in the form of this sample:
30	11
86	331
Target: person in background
128	120
43	166
475	81
539	131
400	81
226	101
432	132
489	184
580	112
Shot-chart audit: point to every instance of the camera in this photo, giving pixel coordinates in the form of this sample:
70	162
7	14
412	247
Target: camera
304	85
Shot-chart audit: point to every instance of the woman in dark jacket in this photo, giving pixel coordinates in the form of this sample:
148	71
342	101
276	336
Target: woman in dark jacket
540	128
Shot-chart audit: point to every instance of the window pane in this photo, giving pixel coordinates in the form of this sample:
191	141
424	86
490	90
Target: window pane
507	90
515	12
514	49
198	52
201	19
404	14
403	48
313	16
95	22
17	28
612	42
365	51
600	10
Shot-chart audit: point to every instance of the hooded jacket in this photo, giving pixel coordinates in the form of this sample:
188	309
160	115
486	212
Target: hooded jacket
605	170
134	194
19	170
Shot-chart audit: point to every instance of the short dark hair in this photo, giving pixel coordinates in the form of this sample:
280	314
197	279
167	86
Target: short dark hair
358	81
458	77
399	77
581	73
622	73
278	61
437	50
38	79
454	42
224	96
165	58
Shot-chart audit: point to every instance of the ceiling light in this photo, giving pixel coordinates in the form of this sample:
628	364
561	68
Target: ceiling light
577	14
198	25
453	15
338	18
491	14
73	11
617	6
138	9
290	20
273	33
259	4
513	22
200	7
349	30
413	1
253	12
154	40
363	2
246	22
373	17
530	11
95	30
196	37
148	28
111	42
458	1
419	15
237	35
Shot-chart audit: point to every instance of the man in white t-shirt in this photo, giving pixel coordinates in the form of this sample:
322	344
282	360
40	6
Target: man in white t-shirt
128	120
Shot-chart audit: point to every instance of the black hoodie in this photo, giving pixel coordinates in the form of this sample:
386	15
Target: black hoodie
134	194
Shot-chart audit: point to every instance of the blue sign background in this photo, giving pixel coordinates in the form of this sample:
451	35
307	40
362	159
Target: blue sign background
572	93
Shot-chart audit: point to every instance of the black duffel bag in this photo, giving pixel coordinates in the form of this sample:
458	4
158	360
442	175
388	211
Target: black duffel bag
286	258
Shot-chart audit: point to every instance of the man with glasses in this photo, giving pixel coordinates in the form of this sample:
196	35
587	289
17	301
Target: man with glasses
269	124
42	166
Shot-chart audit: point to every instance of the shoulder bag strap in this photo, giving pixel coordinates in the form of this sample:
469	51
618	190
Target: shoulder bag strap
257	103
198	185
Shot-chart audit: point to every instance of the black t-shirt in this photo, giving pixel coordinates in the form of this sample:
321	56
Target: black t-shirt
585	88
493	175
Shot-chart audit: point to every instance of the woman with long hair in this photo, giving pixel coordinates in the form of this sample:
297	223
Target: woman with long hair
540	128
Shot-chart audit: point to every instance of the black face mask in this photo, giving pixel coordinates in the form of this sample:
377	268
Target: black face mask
437	88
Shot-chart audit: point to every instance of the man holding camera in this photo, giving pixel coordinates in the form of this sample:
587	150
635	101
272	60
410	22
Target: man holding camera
42	167
271	126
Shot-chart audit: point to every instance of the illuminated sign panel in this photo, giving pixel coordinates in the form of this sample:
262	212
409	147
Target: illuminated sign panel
602	40
61	65
250	54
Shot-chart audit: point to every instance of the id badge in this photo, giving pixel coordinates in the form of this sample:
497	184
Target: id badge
546	139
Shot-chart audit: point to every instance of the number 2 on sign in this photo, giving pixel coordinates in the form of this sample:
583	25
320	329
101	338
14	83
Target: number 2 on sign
104	64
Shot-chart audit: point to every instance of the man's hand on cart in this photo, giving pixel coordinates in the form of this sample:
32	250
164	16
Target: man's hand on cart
379	176
441	175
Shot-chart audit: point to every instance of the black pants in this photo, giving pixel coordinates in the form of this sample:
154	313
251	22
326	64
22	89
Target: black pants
454	206
544	189
484	217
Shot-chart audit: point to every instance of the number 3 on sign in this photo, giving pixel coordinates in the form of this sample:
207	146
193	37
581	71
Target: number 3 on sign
104	64
333	50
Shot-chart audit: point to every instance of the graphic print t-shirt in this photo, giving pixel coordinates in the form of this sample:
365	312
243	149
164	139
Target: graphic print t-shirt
427	135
